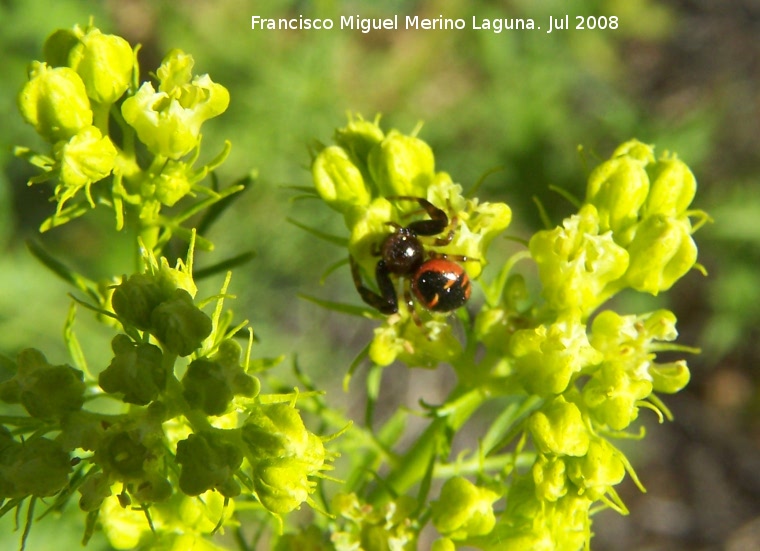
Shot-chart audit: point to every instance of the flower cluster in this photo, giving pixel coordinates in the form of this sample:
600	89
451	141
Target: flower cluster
87	83
575	376
195	438
633	231
362	177
192	433
361	526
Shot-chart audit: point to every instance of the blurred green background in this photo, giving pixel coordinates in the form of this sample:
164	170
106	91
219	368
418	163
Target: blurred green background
681	74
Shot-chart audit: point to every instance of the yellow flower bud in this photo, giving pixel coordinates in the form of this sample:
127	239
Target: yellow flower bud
55	102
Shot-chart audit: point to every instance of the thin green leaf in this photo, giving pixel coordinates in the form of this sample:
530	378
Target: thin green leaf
341	307
10	505
217	161
96	309
34	158
374	379
425	484
223	266
569	197
215	210
474	189
72	343
65	215
61	270
510	425
545	220
195	208
334	239
494	290
310	190
354	366
90	524
28	523
262	364
303	197
187	234
331	268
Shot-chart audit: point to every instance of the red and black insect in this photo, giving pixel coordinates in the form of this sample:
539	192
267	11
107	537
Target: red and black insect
438	283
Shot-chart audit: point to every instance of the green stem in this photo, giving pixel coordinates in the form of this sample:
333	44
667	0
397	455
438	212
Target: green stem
411	468
100	114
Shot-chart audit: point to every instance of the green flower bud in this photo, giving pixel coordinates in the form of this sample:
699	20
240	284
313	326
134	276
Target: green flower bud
94	490
210	384
385	346
338	180
275	430
168	186
673	187
368	231
168	122
618	189
660	254
179	324
402	165
153	489
124	454
558	428
209	460
576	263
629	343
635	150
37	467
58	45
403	339
609	330
46	391
171	279
599	470
175	72
621	337
282	484
537	525
477	223
549	477
135	299
389	526
523	524
478	229
81	429
464	510
55	102
659	325
670	377
85	158
358	138
569	521
547	357
612	395
136	370
161	123
104	62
